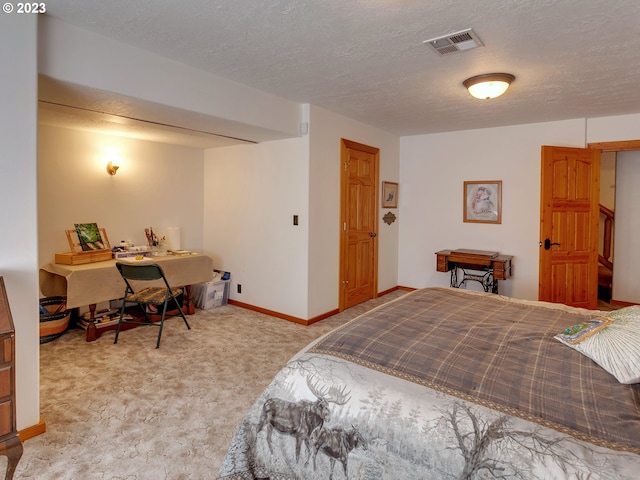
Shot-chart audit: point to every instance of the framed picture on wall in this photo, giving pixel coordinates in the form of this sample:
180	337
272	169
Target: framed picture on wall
389	195
483	201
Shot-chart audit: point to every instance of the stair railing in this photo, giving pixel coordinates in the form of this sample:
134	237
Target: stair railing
605	258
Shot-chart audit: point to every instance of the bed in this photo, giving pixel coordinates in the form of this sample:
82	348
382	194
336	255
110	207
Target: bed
445	383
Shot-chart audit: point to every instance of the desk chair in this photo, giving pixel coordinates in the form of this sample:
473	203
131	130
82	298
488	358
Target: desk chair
157	296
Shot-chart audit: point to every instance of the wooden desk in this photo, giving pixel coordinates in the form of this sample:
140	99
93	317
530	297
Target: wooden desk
10	444
493	266
92	283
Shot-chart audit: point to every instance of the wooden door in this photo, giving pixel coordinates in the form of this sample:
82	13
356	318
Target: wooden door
570	189
359	224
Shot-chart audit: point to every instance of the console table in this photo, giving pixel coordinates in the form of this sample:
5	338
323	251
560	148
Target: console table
491	265
10	444
92	283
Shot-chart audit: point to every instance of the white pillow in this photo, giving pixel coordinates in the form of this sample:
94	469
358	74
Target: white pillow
612	342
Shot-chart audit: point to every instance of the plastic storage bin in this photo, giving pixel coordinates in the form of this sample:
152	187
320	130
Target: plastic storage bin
212	294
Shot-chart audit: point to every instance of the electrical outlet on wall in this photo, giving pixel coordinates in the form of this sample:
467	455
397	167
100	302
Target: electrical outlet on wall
239	288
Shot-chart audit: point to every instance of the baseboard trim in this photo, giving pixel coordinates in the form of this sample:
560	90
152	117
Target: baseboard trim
331	313
621	303
272	313
400	287
33	431
301	321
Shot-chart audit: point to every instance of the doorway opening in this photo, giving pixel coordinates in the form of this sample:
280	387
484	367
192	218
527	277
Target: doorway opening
606	227
621	289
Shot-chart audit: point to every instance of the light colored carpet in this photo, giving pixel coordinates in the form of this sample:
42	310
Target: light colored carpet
129	411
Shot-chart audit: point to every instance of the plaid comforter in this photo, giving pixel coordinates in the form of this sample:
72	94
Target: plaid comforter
442	384
497	353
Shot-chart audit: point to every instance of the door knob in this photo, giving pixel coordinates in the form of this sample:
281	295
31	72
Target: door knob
548	244
372	234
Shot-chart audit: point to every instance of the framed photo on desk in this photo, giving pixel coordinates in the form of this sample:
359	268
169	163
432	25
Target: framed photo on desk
482	201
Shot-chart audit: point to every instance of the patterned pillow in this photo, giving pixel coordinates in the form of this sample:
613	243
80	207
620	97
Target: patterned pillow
612	342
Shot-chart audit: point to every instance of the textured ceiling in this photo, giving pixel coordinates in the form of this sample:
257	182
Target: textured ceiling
365	59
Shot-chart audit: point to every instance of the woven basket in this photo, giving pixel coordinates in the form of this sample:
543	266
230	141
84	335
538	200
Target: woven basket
56	322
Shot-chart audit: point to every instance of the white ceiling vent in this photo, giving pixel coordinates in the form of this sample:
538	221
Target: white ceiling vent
455	42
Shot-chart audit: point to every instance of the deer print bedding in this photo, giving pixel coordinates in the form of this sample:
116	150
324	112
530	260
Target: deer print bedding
442	384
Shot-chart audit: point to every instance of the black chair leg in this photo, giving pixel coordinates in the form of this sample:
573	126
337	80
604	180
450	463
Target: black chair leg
119	322
164	313
183	317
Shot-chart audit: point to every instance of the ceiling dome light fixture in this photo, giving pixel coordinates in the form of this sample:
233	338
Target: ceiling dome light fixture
489	85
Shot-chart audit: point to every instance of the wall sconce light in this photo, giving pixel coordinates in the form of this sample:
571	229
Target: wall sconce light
112	168
490	85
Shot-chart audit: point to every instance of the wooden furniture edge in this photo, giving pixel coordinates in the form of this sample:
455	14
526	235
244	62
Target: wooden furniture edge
10	443
33	431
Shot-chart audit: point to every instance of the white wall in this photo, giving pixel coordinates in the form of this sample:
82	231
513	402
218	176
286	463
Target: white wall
251	195
627	226
18	215
326	129
613	129
432	171
157	185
